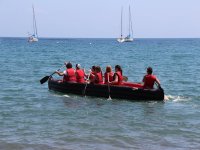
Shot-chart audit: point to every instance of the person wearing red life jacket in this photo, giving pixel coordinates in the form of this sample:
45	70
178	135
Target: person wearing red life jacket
80	74
91	75
108	75
98	78
150	79
68	74
118	76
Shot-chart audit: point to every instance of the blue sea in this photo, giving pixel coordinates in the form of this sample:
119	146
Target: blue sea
34	118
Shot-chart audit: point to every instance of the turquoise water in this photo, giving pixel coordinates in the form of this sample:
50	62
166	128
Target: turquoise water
32	117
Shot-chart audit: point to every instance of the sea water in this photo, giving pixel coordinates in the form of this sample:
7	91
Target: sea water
32	117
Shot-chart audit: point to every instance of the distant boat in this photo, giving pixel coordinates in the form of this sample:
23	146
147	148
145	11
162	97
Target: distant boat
33	37
129	37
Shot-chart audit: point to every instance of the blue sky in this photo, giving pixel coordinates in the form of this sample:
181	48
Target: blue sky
101	18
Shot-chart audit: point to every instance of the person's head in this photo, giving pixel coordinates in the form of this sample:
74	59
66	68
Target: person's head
108	69
93	68
149	70
98	69
118	68
78	66
68	65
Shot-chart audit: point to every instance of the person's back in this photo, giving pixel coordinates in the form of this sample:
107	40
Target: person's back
69	74
79	74
108	75
98	76
150	79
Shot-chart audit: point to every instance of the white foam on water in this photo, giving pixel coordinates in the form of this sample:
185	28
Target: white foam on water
66	95
176	98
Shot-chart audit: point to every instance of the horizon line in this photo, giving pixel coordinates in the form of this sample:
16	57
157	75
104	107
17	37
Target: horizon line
101	37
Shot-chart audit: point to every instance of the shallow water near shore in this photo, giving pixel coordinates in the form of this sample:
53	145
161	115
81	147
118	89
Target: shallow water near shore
32	117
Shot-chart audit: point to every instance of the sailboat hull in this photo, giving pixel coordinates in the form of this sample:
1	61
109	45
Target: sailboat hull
32	39
121	40
128	40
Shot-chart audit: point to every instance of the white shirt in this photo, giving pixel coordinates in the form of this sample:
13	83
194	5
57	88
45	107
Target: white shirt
65	72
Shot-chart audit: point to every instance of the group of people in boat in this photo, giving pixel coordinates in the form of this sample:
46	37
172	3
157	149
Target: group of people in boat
96	76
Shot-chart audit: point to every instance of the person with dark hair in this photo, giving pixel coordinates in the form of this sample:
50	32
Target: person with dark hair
80	74
118	76
108	75
68	74
150	79
91	75
98	77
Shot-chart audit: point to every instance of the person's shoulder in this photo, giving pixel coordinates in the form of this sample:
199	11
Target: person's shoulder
65	72
153	75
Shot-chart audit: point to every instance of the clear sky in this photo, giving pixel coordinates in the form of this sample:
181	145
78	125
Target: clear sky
101	18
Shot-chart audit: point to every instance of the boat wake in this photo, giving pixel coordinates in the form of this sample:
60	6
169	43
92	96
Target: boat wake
176	98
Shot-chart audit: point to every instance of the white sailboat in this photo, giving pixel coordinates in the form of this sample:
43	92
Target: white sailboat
33	37
129	37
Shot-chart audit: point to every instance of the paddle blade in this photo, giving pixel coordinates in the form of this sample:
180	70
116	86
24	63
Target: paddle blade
43	80
109	98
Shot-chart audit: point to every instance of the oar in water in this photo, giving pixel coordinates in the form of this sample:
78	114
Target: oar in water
86	84
43	80
109	98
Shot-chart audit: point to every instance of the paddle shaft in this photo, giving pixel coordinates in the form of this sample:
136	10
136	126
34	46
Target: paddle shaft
108	87
86	84
57	70
43	80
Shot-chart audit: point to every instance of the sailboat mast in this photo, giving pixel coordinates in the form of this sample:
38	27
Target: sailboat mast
129	28
121	21
131	24
34	23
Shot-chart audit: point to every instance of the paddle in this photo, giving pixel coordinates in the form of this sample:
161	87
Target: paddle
159	86
86	84
109	98
43	80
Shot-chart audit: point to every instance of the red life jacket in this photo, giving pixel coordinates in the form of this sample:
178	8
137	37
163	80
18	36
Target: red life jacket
110	74
120	77
99	78
80	76
91	76
70	75
149	81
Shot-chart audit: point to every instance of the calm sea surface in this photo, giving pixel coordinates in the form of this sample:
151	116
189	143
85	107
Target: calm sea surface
33	118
